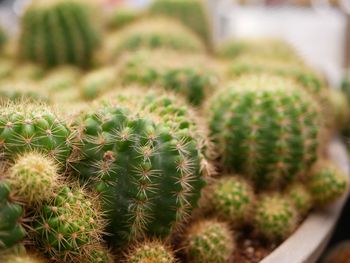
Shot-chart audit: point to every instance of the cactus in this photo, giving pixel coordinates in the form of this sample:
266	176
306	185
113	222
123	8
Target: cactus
61	78
100	255
231	199
28	71
33	178
27	127
18	91
300	197
150	251
58	32
121	17
97	82
29	258
11	212
192	13
69	227
6	69
268	49
265	127
131	160
188	75
209	241
152	34
275	217
326	182
3	38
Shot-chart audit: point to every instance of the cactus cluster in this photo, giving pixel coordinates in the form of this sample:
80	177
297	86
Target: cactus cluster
150	251
58	32
266	128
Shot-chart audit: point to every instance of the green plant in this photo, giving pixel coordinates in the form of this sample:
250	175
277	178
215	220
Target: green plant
27	127
192	13
122	17
326	182
147	170
28	71
209	241
231	199
275	217
61	78
150	251
266	128
96	82
11	212
19	91
58	32
300	197
33	178
69	227
153	33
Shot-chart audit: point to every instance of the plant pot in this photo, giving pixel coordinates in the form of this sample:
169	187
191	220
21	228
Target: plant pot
307	243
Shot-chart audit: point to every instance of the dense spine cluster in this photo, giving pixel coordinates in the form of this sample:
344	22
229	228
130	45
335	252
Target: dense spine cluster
300	197
58	32
209	241
266	128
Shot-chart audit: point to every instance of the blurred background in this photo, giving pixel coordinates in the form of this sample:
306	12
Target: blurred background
324	41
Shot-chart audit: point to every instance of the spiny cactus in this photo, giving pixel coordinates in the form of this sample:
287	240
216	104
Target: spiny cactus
17	91
265	127
27	127
300	197
69	227
58	32
192	13
150	252
132	160
188	75
11	229
209	241
96	82
326	182
33	178
122	16
152	34
231	199
61	78
275	217
268	49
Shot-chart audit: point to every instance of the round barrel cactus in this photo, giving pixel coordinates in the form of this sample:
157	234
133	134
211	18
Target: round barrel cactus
58	32
300	197
11	229
148	170
265	127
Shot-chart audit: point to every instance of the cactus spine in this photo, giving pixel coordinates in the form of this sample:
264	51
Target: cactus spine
58	32
265	127
209	241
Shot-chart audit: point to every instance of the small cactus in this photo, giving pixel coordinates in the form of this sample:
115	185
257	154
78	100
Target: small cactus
231	199
11	212
326	182
58	32
266	128
150	252
122	16
33	178
68	227
61	78
209	241
300	197
275	217
18	91
28	71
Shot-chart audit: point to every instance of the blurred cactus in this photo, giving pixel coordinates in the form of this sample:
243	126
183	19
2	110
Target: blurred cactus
19	91
61	78
121	17
300	197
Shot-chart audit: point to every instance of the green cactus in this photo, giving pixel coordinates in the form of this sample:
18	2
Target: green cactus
300	197
192	13
265	127
100	255
268	49
153	33
11	212
58	32
27	127
151	252
275	217
209	241
231	199
97	82
122	16
188	75
69	227
28	71
61	78
326	182
18	91
33	178
148	170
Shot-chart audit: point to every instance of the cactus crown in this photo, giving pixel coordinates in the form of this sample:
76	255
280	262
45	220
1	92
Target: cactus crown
265	127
